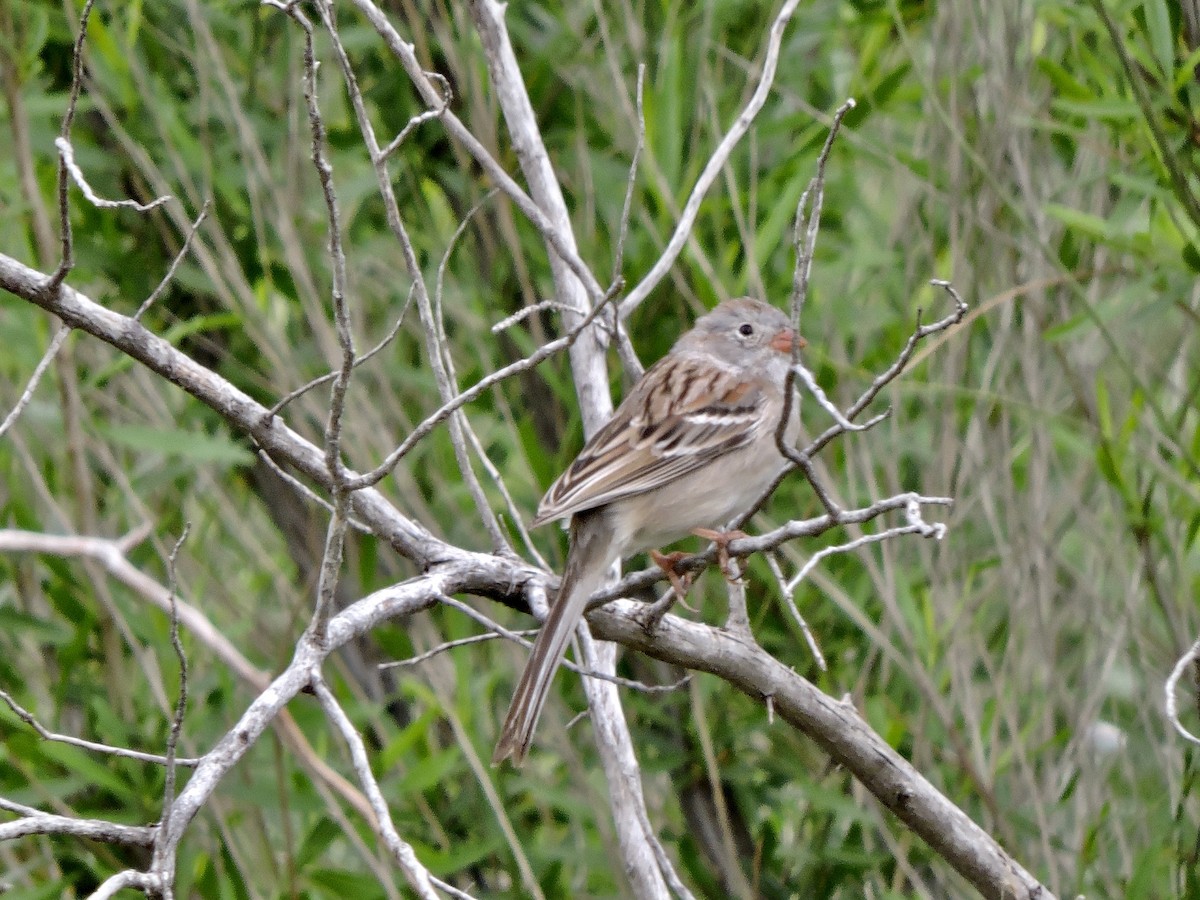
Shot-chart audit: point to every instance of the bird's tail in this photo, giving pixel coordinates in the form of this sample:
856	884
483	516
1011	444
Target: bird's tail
587	563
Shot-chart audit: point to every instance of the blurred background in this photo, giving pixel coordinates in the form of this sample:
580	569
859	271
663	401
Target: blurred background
1042	154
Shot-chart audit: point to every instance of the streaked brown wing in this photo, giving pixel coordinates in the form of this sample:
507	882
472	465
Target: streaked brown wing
678	417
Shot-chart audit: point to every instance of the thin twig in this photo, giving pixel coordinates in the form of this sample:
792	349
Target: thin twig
630	363
452	645
48	357
935	531
525	312
331	558
636	582
432	421
414	871
305	491
67	152
460	426
436	112
807	226
893	371
516	637
406	54
45	734
329	376
631	181
181	703
789	599
1172	703
712	168
55	280
187	243
516	518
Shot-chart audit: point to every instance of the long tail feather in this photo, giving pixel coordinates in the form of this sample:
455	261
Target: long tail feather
590	556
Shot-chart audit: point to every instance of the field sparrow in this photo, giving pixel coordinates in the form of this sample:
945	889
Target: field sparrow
691	447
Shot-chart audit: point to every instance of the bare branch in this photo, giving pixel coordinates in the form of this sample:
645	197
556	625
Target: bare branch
432	421
45	734
167	866
839	730
807	224
631	182
437	112
741	547
305	491
52	282
127	880
416	874
48	357
460	426
562	243
67	152
169	277
622	770
935	532
790	600
111	555
716	162
525	312
36	822
329	376
896	368
1172	703
461	642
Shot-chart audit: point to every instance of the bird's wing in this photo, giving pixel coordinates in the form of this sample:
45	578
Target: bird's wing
684	412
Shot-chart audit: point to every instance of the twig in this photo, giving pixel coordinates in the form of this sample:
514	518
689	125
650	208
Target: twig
460	426
335	536
1171	706
826	404
329	376
558	241
639	581
515	513
452	645
789	599
34	821
181	703
111	555
893	371
517	637
936	531
67	152
807	225
632	366
45	734
525	312
305	491
414	871
432	421
48	357
436	113
187	243
52	283
631	181
712	168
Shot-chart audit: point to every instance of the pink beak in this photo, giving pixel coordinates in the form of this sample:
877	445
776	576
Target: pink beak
786	339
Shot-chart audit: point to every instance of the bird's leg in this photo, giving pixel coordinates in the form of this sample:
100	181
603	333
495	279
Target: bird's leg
679	588
681	583
722	539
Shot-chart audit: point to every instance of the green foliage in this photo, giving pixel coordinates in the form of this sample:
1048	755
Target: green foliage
1044	156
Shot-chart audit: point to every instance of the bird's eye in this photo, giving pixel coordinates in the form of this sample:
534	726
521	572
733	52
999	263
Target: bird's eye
745	329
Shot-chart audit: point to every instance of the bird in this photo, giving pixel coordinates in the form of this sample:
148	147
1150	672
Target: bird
690	447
